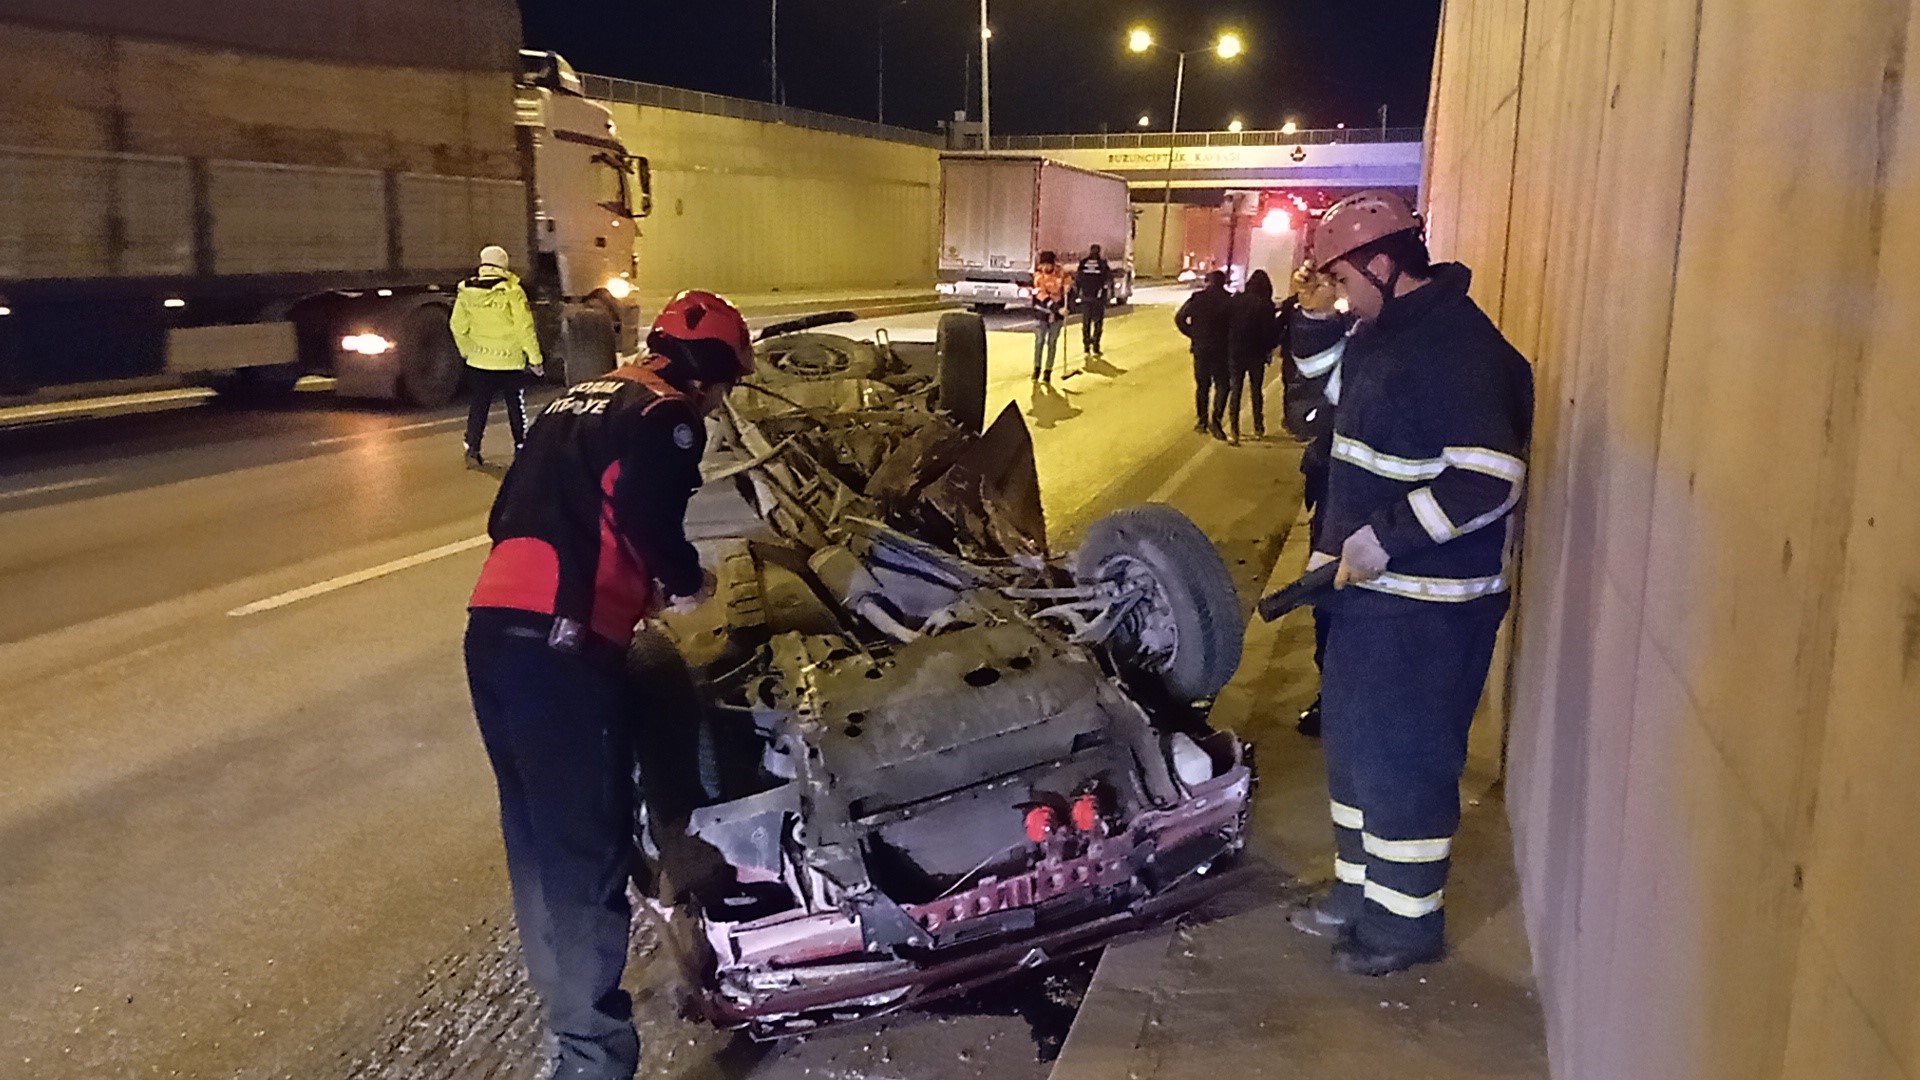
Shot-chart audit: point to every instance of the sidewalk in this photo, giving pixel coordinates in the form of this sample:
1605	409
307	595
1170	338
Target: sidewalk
1236	992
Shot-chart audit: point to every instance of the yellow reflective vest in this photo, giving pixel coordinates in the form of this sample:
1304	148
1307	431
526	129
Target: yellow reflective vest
493	323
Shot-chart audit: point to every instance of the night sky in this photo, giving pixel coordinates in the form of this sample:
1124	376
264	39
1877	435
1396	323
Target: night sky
1058	65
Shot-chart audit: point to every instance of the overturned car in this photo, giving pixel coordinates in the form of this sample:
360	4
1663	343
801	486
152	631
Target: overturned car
908	750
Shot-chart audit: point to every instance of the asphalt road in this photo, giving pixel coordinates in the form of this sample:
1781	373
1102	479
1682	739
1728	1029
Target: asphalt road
246	826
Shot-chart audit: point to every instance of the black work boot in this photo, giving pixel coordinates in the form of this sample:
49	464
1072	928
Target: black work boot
474	460
1320	918
1355	958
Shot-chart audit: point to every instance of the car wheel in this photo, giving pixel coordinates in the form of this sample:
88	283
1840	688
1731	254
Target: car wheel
1187	631
961	345
680	758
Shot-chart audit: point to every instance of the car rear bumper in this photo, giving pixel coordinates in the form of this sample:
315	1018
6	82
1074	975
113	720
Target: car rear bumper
801	972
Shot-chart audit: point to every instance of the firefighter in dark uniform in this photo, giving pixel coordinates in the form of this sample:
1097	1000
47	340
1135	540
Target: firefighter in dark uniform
1429	461
589	538
1093	285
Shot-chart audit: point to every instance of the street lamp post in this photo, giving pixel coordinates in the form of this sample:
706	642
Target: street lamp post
1140	40
986	82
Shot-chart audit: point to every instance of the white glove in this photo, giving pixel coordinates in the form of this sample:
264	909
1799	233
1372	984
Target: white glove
1361	559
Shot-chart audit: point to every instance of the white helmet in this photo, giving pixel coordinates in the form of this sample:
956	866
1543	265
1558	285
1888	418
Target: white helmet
493	255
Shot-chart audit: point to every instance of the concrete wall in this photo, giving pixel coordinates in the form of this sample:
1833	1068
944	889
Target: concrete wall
1701	219
752	207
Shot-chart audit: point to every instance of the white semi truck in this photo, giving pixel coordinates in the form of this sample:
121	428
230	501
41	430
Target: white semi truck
290	187
999	212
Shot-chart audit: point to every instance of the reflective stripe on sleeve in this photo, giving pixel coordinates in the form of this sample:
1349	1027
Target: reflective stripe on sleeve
1354	452
1407	851
1348	817
1482	460
1349	873
1407	907
1433	517
1445	590
1322	362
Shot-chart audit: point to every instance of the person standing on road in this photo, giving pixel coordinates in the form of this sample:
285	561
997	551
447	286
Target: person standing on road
589	536
492	325
1050	285
1204	320
1253	331
1429	461
1093	283
1311	343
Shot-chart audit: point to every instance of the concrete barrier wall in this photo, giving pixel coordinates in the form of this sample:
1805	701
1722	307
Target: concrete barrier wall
1699	218
753	207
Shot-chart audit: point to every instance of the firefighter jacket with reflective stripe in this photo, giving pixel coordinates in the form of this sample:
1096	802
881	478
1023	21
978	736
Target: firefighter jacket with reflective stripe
1310	351
493	323
1429	447
593	512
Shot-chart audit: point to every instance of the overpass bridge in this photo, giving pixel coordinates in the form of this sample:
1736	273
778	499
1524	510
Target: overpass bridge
1333	159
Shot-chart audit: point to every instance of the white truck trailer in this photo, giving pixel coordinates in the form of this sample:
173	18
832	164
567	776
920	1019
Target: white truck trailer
998	212
279	188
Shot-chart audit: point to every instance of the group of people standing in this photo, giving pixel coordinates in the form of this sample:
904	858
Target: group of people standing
1235	335
1057	292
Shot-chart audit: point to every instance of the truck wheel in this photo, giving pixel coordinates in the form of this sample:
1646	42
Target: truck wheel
1186	633
430	362
586	343
961	345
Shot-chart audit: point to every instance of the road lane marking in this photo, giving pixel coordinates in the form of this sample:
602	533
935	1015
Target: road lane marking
345	580
64	485
329	441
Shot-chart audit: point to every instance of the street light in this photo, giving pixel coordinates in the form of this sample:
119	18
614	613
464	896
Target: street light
1227	46
1235	125
1289	128
986	82
1145	120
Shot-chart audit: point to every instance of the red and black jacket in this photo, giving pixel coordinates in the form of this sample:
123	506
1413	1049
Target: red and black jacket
593	512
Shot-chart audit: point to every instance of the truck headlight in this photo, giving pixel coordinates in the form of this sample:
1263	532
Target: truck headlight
366	344
619	288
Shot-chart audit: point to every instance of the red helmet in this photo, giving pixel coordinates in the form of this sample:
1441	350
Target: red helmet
713	336
1359	220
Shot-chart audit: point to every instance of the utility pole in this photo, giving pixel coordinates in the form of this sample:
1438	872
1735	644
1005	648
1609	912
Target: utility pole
986	82
1383	122
773	55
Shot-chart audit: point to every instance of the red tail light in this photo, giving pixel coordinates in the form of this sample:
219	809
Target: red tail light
1086	812
1041	821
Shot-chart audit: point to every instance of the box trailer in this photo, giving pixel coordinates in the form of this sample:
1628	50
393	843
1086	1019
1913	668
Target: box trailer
293	187
999	212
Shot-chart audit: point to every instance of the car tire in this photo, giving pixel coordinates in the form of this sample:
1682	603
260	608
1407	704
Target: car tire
680	757
961	346
1189	635
430	364
587	343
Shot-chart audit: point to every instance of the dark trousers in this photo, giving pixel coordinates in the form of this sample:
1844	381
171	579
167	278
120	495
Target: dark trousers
1252	377
558	729
483	386
1209	383
1093	321
1398	695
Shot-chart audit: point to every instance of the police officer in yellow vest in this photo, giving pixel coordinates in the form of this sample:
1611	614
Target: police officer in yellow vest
493	326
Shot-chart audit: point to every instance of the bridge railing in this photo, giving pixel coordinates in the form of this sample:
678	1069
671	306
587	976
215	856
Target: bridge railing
1152	141
609	88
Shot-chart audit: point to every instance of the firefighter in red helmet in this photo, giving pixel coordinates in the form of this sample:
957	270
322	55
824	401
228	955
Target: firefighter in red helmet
589	537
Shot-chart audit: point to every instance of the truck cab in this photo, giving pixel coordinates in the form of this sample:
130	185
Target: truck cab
586	197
